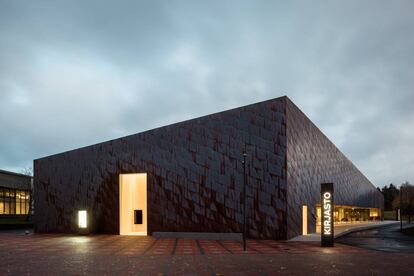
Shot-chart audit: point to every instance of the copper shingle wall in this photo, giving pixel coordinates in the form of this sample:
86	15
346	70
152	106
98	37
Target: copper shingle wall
195	176
312	159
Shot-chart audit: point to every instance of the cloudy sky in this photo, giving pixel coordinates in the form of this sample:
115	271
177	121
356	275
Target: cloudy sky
74	73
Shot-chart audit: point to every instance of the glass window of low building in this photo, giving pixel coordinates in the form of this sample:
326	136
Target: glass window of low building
14	202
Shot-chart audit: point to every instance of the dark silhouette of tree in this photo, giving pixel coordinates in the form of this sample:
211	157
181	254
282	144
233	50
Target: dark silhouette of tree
29	172
407	200
390	193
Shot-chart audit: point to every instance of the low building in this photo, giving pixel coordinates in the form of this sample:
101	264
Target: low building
15	192
189	177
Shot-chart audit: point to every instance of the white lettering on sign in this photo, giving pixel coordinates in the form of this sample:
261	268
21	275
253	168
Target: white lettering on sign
327	218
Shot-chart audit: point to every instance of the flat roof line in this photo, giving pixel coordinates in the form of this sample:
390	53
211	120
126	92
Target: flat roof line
14	173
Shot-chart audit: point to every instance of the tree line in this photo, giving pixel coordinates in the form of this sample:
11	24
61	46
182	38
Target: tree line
401	197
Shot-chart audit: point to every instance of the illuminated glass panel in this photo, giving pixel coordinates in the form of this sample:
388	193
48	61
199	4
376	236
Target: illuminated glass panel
18	210
6	206
349	215
1	201
23	202
14	202
27	202
12	207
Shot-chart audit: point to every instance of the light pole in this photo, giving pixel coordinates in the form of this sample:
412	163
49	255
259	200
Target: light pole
244	200
400	208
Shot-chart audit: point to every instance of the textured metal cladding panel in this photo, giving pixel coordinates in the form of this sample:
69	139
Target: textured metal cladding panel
313	159
195	176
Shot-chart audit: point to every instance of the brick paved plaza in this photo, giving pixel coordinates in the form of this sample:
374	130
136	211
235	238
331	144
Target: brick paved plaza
57	254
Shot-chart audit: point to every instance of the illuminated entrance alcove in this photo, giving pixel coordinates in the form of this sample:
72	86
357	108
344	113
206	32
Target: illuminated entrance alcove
304	220
133	204
349	215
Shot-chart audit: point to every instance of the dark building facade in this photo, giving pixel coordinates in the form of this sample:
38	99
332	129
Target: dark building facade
15	190
194	176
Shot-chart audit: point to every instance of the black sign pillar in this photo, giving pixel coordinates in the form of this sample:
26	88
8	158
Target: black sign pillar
327	216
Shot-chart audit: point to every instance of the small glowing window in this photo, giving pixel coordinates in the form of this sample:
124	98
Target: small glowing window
304	220
82	219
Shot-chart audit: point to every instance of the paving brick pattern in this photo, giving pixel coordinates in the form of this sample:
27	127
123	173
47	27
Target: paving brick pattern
51	254
148	246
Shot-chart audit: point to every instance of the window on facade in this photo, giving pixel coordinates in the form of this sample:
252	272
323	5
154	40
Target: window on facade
18	203
1	201
14	202
6	206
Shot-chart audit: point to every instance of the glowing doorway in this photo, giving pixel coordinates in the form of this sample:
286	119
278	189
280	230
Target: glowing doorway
133	204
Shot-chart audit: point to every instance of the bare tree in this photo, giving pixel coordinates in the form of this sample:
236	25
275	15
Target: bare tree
29	172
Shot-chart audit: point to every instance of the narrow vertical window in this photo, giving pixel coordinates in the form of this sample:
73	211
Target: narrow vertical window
304	220
82	219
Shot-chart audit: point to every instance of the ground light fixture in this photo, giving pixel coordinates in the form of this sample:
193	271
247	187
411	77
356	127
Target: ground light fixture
83	222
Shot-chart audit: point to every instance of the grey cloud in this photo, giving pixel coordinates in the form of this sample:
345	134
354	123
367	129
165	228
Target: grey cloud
81	72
